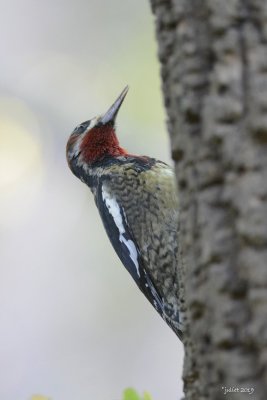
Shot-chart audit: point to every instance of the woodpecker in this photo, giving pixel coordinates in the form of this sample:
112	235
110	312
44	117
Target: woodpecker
137	201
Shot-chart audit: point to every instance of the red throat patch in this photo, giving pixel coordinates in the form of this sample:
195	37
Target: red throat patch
99	142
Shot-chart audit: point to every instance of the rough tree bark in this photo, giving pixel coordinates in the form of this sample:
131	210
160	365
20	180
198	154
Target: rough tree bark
213	58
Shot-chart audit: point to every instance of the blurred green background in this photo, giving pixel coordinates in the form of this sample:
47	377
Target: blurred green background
73	323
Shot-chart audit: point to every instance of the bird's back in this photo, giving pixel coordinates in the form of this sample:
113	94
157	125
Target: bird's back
145	192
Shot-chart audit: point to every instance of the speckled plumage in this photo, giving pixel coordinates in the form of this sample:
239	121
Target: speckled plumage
148	198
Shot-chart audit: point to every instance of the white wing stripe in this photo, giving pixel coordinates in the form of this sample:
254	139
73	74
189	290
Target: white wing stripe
115	211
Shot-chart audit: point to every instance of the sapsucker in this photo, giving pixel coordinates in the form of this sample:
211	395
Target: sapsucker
137	201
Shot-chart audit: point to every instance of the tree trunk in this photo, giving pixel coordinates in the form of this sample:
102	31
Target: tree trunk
213	58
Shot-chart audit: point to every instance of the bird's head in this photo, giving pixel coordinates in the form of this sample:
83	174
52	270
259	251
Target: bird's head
95	139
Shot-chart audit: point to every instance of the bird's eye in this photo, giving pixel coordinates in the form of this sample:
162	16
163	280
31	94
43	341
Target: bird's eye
81	128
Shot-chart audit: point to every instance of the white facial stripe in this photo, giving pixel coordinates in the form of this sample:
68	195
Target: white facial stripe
93	123
76	148
115	211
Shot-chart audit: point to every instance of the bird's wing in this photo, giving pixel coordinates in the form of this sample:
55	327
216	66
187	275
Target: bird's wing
119	233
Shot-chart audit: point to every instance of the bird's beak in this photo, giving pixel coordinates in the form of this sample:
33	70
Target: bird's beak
110	115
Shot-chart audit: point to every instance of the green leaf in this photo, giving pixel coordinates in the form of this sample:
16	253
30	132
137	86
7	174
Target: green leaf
147	396
130	394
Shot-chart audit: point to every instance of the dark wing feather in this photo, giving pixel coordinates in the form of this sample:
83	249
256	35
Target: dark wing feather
122	241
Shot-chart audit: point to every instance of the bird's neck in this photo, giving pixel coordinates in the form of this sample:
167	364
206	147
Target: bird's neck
100	142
